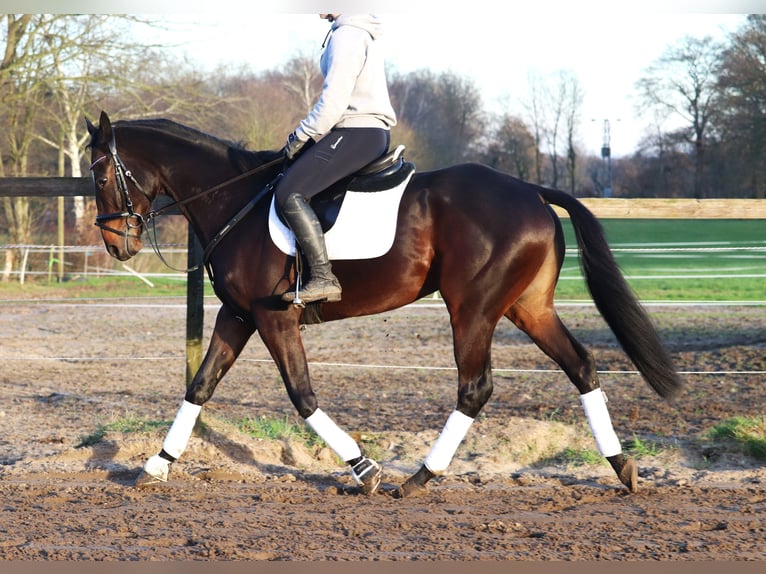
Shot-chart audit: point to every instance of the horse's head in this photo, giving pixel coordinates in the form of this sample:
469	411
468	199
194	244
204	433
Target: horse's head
121	202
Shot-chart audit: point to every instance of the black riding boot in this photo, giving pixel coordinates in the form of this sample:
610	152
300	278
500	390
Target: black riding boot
323	285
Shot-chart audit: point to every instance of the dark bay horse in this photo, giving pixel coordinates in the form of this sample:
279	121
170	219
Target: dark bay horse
490	243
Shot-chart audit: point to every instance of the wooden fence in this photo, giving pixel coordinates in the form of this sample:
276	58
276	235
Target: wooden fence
56	187
654	208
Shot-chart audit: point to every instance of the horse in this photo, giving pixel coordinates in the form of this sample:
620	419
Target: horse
489	243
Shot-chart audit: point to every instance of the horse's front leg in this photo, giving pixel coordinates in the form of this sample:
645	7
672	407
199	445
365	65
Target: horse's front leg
229	338
282	337
472	341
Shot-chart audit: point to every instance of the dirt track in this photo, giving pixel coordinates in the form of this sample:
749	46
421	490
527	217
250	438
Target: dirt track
510	494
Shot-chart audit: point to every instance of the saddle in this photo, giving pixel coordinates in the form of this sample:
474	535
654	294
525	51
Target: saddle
358	214
386	172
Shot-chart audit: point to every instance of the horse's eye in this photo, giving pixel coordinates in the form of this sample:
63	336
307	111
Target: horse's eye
101	182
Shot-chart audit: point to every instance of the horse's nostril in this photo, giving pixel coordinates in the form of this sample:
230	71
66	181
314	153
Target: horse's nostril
113	251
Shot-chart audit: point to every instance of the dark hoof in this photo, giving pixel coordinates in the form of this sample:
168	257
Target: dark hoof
629	475
627	471
416	484
411	489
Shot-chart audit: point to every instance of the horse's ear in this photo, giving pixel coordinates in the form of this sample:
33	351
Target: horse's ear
92	130
106	133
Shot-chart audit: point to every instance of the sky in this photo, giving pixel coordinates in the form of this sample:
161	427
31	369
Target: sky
606	45
607	53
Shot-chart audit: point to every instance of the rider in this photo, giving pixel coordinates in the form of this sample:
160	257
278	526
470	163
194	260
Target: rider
347	128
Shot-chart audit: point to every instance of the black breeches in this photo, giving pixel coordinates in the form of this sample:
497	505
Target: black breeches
337	155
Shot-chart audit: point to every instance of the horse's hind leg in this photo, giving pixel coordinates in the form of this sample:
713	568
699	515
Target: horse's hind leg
229	338
536	316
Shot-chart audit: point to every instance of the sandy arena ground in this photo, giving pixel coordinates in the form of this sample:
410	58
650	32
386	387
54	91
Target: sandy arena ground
512	492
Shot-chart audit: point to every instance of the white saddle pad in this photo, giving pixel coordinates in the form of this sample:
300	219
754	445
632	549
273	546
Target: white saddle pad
365	227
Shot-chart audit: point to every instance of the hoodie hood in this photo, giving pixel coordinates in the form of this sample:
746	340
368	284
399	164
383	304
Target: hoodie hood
370	23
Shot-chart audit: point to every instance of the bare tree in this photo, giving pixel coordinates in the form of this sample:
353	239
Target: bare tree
572	97
445	110
19	93
535	107
79	53
684	83
553	110
303	81
743	82
55	67
511	147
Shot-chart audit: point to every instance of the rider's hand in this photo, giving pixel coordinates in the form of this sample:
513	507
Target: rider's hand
293	146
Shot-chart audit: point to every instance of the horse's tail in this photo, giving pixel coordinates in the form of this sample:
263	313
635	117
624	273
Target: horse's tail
615	299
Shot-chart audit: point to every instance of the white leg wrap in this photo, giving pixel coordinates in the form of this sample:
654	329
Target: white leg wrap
181	429
337	439
446	445
594	405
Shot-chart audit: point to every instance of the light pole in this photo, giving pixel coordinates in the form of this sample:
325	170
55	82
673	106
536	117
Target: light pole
606	158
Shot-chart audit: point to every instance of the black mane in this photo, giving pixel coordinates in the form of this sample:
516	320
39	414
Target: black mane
243	158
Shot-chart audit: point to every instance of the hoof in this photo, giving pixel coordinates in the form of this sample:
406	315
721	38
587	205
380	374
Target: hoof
629	475
155	471
368	475
627	471
145	479
416	484
411	489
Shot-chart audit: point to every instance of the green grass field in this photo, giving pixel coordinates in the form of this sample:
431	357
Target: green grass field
664	260
679	260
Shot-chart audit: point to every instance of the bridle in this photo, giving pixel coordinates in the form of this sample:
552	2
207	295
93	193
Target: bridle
123	174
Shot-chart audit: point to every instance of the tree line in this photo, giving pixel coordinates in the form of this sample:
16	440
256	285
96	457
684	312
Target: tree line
56	69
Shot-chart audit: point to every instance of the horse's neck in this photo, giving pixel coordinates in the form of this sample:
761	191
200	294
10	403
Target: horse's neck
223	202
201	176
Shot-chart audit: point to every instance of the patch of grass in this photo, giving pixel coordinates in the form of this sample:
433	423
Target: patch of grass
106	287
583	457
277	429
129	424
92	438
747	433
578	457
639	448
373	446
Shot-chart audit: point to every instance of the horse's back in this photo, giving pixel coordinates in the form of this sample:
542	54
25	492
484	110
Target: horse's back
476	192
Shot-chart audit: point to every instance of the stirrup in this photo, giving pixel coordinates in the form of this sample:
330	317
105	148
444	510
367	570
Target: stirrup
368	475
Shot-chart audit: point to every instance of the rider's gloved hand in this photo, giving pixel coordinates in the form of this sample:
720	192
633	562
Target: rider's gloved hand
293	146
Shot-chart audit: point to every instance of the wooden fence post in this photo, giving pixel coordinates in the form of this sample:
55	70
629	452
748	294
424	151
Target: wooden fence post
195	310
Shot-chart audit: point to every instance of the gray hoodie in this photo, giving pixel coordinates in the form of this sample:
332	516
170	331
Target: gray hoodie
355	92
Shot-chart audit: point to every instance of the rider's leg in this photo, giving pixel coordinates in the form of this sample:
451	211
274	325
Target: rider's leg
339	154
323	285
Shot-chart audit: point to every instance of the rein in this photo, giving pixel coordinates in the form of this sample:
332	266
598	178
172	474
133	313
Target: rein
122	173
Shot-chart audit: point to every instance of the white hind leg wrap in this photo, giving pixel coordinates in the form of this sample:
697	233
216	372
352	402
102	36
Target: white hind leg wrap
594	405
449	440
335	437
180	431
